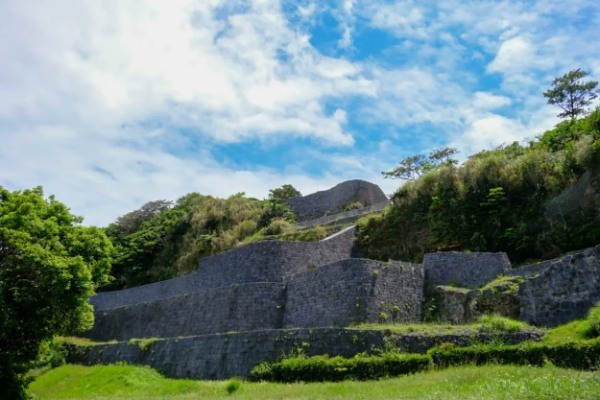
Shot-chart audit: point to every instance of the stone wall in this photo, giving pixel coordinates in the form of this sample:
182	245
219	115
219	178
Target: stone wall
270	261
354	291
223	356
328	201
240	307
344	217
564	291
464	269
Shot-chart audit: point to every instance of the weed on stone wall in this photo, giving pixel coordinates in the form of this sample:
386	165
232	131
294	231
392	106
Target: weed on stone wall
143	344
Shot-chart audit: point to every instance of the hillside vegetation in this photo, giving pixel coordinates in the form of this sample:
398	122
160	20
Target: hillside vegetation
162	240
498	200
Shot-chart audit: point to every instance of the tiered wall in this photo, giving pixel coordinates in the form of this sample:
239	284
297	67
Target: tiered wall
257	262
242	289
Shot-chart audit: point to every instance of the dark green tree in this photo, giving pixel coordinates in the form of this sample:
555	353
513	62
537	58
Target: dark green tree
414	166
285	192
49	268
572	94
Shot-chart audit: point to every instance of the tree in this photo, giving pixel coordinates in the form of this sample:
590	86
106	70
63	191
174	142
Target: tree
414	166
49	268
133	220
285	192
571	94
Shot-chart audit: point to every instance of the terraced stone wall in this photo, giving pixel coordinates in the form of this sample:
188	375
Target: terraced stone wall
257	262
242	307
355	291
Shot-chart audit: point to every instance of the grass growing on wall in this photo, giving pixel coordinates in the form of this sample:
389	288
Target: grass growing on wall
485	324
488	382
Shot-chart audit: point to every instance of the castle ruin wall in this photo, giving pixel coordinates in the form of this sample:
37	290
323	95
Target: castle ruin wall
331	200
271	261
564	291
353	291
465	269
240	307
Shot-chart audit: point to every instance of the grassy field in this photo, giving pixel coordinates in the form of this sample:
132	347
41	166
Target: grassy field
488	382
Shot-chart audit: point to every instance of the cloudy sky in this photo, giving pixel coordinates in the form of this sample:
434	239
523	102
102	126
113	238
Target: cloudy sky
110	104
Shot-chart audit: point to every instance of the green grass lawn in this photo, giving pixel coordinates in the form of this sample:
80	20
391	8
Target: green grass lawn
487	382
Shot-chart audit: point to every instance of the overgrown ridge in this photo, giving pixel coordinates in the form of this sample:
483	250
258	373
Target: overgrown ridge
259	301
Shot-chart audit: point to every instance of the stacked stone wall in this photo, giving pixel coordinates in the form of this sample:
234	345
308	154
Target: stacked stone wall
234	308
344	217
327	201
257	262
354	291
464	269
564	291
223	356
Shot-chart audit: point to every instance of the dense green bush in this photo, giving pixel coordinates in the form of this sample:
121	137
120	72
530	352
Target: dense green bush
499	324
495	201
162	240
583	355
325	368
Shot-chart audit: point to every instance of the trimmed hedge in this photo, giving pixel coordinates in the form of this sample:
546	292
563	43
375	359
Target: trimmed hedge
583	355
325	368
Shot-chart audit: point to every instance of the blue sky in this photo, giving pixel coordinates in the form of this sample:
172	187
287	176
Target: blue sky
110	104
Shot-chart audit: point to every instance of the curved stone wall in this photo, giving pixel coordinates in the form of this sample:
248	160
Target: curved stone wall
271	261
354	291
319	203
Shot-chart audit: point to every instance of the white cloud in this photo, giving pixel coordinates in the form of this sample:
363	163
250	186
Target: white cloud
514	54
94	93
489	101
94	96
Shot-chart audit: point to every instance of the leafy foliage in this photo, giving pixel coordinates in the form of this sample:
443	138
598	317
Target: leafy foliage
325	368
414	166
496	201
163	240
49	268
285	192
583	355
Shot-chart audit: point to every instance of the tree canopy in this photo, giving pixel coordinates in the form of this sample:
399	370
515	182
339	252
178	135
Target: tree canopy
414	166
285	192
49	268
572	94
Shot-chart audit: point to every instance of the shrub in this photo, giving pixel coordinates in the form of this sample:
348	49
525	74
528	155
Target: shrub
325	368
498	324
593	330
233	385
277	227
143	344
583	355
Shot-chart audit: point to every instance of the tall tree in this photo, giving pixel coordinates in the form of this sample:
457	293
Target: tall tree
49	268
572	94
